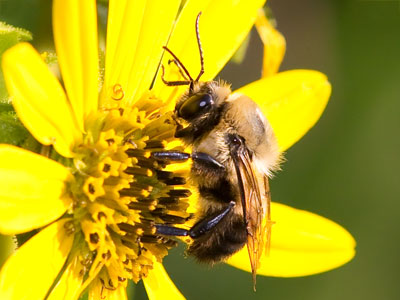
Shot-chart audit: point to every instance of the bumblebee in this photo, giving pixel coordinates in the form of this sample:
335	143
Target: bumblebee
234	153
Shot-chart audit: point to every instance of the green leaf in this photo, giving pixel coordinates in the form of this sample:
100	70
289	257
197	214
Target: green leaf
13	132
9	36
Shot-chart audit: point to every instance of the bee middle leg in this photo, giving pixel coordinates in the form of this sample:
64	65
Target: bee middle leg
201	227
207	161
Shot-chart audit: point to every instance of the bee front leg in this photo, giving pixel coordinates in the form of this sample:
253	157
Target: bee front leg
200	228
171	155
198	157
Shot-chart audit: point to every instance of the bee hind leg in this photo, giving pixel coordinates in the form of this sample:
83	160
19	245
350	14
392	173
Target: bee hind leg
208	223
200	228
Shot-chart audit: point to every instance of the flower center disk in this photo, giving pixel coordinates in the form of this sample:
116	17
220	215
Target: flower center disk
120	192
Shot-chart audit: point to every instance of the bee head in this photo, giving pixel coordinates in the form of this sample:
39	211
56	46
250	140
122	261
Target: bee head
202	106
202	99
195	106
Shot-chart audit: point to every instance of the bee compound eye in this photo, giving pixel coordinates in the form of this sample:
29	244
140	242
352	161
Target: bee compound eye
236	140
195	105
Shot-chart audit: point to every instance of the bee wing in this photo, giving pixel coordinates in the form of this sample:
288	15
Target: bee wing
255	207
267	223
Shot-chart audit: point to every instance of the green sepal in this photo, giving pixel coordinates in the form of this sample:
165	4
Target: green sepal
50	58
85	296
9	36
22	238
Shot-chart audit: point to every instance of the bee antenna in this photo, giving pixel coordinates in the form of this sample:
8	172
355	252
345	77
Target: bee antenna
179	63
182	67
200	48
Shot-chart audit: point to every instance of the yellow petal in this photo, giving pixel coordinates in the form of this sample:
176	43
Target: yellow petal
302	243
39	99
159	286
292	101
136	32
70	282
31	190
97	291
274	44
75	38
30	272
118	294
223	26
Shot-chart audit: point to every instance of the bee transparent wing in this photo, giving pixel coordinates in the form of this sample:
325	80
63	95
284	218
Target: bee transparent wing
267	223
255	207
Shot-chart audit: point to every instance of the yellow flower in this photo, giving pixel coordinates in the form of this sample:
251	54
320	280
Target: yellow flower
96	199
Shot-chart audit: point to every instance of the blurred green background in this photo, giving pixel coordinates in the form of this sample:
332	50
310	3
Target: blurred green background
347	168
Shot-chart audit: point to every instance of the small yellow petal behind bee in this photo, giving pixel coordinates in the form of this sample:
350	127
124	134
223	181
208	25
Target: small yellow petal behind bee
292	101
274	44
302	243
